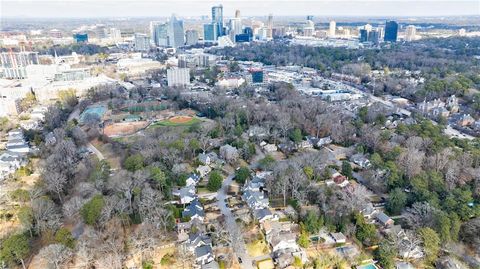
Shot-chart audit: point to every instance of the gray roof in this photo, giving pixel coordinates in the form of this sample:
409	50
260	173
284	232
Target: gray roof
203	250
193	209
262	213
382	217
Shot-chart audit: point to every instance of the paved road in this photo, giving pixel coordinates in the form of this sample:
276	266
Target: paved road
231	226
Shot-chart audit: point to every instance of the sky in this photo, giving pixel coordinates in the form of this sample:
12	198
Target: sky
190	8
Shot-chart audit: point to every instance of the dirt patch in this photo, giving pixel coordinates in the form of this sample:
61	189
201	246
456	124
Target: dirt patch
180	119
124	128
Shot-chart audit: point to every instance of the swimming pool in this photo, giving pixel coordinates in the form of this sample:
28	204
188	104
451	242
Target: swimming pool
367	266
95	110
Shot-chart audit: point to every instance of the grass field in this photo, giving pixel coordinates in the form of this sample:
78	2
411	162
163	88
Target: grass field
257	248
176	121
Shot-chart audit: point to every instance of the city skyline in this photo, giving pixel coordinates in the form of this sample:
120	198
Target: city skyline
189	8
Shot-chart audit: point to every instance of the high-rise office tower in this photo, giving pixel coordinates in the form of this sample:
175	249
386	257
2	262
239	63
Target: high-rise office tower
391	31
363	35
374	37
235	27
270	26
160	34
152	30
210	32
191	37
332	29
176	34
115	34
142	42
410	33
309	28
310	18
217	17
100	31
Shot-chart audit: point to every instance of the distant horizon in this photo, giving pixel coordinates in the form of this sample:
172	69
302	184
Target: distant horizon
91	9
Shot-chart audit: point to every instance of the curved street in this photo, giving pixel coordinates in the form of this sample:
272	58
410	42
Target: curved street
231	226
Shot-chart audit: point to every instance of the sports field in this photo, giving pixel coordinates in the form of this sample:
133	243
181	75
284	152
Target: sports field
177	121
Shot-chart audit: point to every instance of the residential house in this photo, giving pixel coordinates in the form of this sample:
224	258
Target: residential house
284	260
287	148
283	241
203	170
193	180
194	211
268	147
204	255
369	211
361	160
466	120
255	184
255	199
338	179
383	219
339	238
196	240
264	214
229	153
10	162
17	145
185	194
204	159
319	142
305	144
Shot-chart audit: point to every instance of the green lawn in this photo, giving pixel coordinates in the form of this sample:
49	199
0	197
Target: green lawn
169	123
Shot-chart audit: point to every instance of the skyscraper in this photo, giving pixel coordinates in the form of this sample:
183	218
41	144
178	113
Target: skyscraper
176	34
363	35
217	17
391	31
374	37
210	32
160	34
410	33
332	29
115	34
142	42
235	27
191	37
269	27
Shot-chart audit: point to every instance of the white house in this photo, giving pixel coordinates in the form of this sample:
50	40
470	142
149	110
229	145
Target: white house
255	199
185	194
193	180
203	170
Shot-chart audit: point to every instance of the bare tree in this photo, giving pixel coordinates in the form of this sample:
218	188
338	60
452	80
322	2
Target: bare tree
45	214
56	255
420	215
